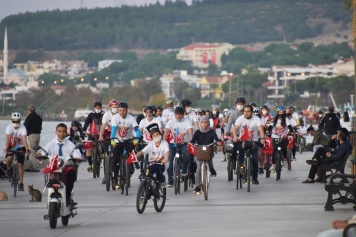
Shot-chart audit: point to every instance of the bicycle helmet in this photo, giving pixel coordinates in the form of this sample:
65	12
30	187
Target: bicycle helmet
291	108
113	102
185	102
198	110
240	99
320	112
148	107
168	102
281	108
253	104
300	112
123	104
16	116
154	108
179	110
256	110
75	123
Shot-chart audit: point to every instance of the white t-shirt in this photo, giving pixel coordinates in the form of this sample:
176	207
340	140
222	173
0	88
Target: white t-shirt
124	126
252	125
107	120
181	128
156	153
16	134
279	131
193	117
168	114
144	123
346	125
293	122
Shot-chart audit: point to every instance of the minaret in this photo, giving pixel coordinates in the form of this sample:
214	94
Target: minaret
5	55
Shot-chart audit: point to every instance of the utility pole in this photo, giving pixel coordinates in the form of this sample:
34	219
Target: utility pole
81	4
230	91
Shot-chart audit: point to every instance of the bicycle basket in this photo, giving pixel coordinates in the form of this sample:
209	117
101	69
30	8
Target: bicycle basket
248	145
228	146
204	153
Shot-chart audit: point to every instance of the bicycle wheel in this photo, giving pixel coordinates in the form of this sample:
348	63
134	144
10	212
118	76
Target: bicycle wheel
176	177
238	175
278	166
141	197
205	181
185	179
122	175
160	198
268	160
94	162
15	178
98	164
289	159
229	168
248	158
127	179
108	172
349	230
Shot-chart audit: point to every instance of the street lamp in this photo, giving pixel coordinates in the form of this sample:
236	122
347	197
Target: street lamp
62	80
95	79
106	78
55	82
42	82
82	79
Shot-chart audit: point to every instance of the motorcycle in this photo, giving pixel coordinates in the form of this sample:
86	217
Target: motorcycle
57	204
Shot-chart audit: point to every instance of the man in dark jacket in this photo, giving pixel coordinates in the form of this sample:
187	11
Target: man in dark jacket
330	123
33	124
321	156
320	140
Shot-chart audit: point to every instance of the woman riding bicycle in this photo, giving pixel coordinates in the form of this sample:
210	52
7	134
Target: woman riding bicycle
280	127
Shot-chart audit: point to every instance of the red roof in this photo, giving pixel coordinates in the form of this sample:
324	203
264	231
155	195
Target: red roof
250	49
202	45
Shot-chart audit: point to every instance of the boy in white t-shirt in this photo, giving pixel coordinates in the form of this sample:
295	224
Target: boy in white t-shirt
148	120
157	150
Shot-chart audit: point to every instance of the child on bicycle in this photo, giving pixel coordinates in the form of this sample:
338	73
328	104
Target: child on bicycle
157	150
204	136
16	135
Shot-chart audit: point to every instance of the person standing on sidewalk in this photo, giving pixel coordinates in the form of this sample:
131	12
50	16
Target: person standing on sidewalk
33	124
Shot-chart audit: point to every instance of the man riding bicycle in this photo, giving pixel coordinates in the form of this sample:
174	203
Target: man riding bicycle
168	113
255	133
16	135
123	125
182	131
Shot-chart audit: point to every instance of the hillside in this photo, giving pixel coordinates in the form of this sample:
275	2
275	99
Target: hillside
174	25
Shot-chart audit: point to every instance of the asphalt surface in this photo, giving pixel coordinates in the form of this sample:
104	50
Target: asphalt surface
272	208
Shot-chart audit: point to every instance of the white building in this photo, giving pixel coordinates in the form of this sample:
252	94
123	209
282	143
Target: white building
106	63
282	77
16	76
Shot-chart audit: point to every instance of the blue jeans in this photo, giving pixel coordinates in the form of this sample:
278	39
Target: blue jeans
254	154
158	169
172	153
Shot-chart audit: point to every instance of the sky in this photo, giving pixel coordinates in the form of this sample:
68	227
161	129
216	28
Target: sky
9	7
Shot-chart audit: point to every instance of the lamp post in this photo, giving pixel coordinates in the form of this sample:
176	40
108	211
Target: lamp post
230	89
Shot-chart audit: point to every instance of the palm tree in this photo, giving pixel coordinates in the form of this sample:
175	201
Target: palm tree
351	5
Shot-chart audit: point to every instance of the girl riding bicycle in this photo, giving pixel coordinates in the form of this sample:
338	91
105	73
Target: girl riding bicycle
280	127
204	136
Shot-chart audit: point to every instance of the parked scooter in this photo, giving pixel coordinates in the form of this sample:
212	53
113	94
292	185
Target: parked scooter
57	204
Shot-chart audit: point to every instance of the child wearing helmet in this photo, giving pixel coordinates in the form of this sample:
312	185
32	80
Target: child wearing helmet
16	139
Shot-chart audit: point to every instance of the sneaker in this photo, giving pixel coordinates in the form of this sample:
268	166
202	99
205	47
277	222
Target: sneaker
255	181
170	185
21	188
271	169
285	164
116	183
294	159
197	190
163	184
223	160
103	181
8	173
260	171
307	181
90	169
212	172
312	162
184	174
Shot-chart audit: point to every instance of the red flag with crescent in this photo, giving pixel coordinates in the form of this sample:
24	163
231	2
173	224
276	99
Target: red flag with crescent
132	158
205	58
244	136
52	165
92	129
191	149
169	136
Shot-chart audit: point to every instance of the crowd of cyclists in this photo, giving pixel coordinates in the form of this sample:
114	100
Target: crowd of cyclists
181	124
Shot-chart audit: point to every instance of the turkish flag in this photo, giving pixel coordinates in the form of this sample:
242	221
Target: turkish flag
92	129
191	149
169	136
244	136
52	165
290	142
205	58
268	147
132	158
213	58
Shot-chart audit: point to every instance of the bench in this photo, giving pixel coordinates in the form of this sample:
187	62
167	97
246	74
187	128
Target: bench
346	192
334	169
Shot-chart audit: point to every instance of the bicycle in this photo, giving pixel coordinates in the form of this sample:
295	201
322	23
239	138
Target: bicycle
150	187
248	146
177	164
228	149
108	159
301	144
278	143
14	178
143	165
96	157
290	147
205	154
267	152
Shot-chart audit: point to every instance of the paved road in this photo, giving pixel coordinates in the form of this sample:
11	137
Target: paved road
283	208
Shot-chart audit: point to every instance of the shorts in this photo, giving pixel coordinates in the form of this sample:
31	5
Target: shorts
20	156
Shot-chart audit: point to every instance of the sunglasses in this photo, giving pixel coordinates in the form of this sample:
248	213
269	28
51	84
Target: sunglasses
16	121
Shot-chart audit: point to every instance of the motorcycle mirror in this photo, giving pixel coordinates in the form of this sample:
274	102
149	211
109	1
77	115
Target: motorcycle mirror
36	148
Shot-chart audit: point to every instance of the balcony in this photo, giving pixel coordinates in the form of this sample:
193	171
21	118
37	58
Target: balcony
275	96
275	87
